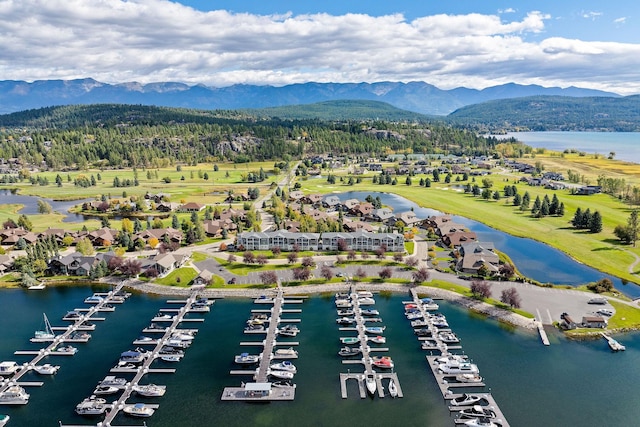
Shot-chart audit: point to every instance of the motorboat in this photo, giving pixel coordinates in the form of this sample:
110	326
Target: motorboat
344	312
393	389
143	338
370	382
345	321
410	306
383	362
102	390
613	344
422	332
69	349
72	315
4	419
282	383
452	358
46	369
448	337
163	317
373	319
176	343
364	294
254	328
477	411
369	312
377	330
80	336
289	331
111	380
47	334
258	316
247	359
456	367
168	349
349	351
171	357
132	356
156	327
14	395
263	299
431	344
150	390
342	295
93	299
469	378
184	336
467	400
138	410
481	422
196	308
343	303
285	353
366	301
108	307
284	375
8	368
419	323
429	304
40	286
378	339
283	366
92	406
204	301
256	322
440	323
414	315
349	340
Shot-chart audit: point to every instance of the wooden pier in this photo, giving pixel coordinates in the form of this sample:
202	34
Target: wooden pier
447	382
59	340
261	389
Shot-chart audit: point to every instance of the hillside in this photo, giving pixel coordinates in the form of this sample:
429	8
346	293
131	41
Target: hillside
419	97
553	113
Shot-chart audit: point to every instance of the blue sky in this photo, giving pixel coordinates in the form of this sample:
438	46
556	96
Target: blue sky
471	43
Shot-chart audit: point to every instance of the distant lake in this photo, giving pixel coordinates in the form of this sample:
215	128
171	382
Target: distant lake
626	145
31	205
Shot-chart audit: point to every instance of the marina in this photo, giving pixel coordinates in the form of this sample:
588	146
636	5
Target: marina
370	381
14	372
140	366
453	371
263	388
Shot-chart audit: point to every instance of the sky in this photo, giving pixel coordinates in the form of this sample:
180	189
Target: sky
470	43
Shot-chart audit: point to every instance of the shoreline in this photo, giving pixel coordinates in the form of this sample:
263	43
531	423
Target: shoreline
490	311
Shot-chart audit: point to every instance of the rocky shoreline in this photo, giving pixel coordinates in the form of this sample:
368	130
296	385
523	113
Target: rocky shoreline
469	303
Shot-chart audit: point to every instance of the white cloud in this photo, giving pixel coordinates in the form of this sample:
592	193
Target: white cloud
507	10
591	15
157	40
621	20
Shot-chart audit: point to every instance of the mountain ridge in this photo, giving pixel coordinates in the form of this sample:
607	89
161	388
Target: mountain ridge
419	97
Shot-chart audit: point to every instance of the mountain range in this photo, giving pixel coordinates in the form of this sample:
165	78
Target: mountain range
418	97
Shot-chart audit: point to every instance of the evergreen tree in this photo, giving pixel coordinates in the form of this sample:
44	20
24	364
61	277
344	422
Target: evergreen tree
517	200
544	208
586	219
427	182
554	205
560	211
595	224
174	222
577	218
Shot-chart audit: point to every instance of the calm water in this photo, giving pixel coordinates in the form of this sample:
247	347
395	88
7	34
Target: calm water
625	145
31	205
524	376
534	259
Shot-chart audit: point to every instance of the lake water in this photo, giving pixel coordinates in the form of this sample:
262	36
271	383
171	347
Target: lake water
625	145
534	259
534	385
31	205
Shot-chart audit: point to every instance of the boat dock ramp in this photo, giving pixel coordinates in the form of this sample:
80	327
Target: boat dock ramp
366	360
453	386
145	367
262	388
56	346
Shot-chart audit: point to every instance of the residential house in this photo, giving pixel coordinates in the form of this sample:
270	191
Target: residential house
331	202
594	322
475	255
285	240
381	215
409	218
361	210
192	207
363	241
457	238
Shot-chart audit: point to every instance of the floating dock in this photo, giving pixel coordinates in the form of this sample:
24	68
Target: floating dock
262	389
446	382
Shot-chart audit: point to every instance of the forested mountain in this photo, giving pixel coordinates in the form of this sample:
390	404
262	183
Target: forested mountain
420	97
546	113
113	136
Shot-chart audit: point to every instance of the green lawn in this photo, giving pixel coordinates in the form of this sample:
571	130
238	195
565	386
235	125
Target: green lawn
626	317
181	277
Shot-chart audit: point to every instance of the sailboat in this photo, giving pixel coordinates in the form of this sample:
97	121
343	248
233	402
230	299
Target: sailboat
47	334
393	390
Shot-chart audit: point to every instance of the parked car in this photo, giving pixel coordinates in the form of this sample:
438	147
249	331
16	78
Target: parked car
232	281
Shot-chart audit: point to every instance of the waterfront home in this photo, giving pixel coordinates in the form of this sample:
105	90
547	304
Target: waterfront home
474	255
363	241
358	240
409	218
296	196
285	240
594	322
361	209
457	238
6	262
331	202
164	263
312	199
103	236
381	215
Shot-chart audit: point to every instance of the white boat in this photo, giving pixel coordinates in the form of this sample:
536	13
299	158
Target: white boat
448	337
150	390
282	384
171	357
182	336
349	340
414	315
285	375
285	353
466	400
263	299
419	323
382	362
343	303
283	366
4	419
481	422
131	356
289	331
457	367
369	312
366	301
393	389
47	334
66	349
364	294
477	411
370	382
92	406
105	390
14	395
452	358
46	369
111	380
345	321
344	312
613	344
374	329
469	378
138	410
8	368
378	339
40	286
93	299
349	351
246	359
